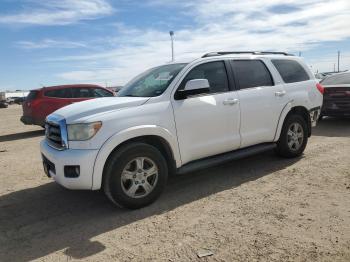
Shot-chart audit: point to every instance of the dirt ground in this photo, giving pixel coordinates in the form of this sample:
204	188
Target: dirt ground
262	208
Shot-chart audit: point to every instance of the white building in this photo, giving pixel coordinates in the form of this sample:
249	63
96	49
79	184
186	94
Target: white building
6	94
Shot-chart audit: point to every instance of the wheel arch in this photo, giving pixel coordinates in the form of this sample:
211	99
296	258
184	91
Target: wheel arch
156	136
287	111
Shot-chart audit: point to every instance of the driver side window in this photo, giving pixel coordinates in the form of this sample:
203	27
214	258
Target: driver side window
214	72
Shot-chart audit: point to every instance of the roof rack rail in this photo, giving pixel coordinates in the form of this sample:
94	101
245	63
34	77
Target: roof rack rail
246	52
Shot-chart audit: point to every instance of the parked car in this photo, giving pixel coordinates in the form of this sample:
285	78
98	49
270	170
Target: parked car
3	104
42	102
181	117
19	100
336	97
10	100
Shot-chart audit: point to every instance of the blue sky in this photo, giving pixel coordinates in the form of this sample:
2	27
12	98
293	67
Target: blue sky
109	41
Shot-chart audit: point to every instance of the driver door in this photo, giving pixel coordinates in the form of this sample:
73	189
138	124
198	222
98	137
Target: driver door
207	124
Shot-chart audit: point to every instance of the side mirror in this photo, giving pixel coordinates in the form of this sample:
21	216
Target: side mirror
193	87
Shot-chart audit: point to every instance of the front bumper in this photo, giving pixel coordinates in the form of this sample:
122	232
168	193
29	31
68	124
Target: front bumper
70	157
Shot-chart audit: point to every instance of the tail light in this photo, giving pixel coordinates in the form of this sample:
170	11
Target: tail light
320	88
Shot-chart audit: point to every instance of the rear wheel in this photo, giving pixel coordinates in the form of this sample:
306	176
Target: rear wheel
293	138
135	175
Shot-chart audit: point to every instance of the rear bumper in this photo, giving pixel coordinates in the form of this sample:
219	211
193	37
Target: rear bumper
27	120
336	106
335	112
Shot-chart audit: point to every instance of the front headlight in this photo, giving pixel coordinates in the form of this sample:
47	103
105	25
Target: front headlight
81	132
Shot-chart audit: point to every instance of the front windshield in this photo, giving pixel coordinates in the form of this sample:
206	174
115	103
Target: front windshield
153	82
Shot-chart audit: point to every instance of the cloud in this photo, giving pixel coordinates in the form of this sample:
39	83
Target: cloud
49	43
58	12
218	25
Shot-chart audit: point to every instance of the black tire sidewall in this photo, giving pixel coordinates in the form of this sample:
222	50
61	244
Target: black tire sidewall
116	165
282	144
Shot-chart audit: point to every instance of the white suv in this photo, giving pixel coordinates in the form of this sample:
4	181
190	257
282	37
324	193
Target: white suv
181	117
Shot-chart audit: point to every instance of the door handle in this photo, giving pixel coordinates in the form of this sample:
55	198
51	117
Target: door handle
230	101
280	93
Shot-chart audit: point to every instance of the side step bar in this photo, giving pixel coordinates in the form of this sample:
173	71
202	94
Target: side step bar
223	158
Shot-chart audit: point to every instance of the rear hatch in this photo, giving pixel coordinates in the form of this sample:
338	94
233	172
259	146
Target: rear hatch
28	103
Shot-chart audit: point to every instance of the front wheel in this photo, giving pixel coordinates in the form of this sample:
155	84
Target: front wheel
135	175
293	138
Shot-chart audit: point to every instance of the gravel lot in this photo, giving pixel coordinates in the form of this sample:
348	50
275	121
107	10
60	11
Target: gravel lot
262	208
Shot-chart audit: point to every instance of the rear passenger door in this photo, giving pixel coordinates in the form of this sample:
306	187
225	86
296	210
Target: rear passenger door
56	99
261	101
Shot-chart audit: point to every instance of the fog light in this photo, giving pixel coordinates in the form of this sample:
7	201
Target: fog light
72	171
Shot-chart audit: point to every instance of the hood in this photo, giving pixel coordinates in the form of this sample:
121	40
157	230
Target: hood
81	110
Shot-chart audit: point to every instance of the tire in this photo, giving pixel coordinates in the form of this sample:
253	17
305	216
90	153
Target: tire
292	144
129	180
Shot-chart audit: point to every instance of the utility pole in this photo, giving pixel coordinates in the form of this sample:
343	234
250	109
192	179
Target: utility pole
172	45
338	60
334	67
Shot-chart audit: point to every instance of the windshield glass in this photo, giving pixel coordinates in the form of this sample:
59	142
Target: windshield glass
153	82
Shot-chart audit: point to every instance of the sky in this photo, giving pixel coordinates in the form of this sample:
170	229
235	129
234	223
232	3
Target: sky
108	42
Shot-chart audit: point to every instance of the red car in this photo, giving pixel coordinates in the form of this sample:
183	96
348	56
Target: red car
44	101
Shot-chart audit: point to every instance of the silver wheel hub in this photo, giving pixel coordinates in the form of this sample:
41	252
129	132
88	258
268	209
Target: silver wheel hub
139	177
295	136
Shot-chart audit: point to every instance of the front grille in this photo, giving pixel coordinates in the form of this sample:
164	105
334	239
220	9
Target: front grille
53	134
56	132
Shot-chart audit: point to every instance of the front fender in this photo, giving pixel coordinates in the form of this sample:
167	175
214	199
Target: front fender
125	135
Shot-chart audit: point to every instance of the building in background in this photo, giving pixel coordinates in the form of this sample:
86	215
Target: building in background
5	95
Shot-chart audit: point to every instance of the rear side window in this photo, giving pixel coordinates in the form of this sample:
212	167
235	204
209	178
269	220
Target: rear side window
291	71
59	93
214	72
99	92
251	73
32	95
80	92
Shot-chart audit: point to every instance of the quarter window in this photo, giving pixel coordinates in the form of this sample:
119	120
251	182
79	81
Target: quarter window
251	73
214	72
291	71
99	92
81	92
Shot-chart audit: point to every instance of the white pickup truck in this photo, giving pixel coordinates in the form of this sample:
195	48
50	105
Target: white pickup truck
180	117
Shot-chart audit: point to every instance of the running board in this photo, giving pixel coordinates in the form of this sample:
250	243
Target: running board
223	158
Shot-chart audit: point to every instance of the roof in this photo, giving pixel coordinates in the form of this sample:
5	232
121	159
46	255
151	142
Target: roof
68	86
221	53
